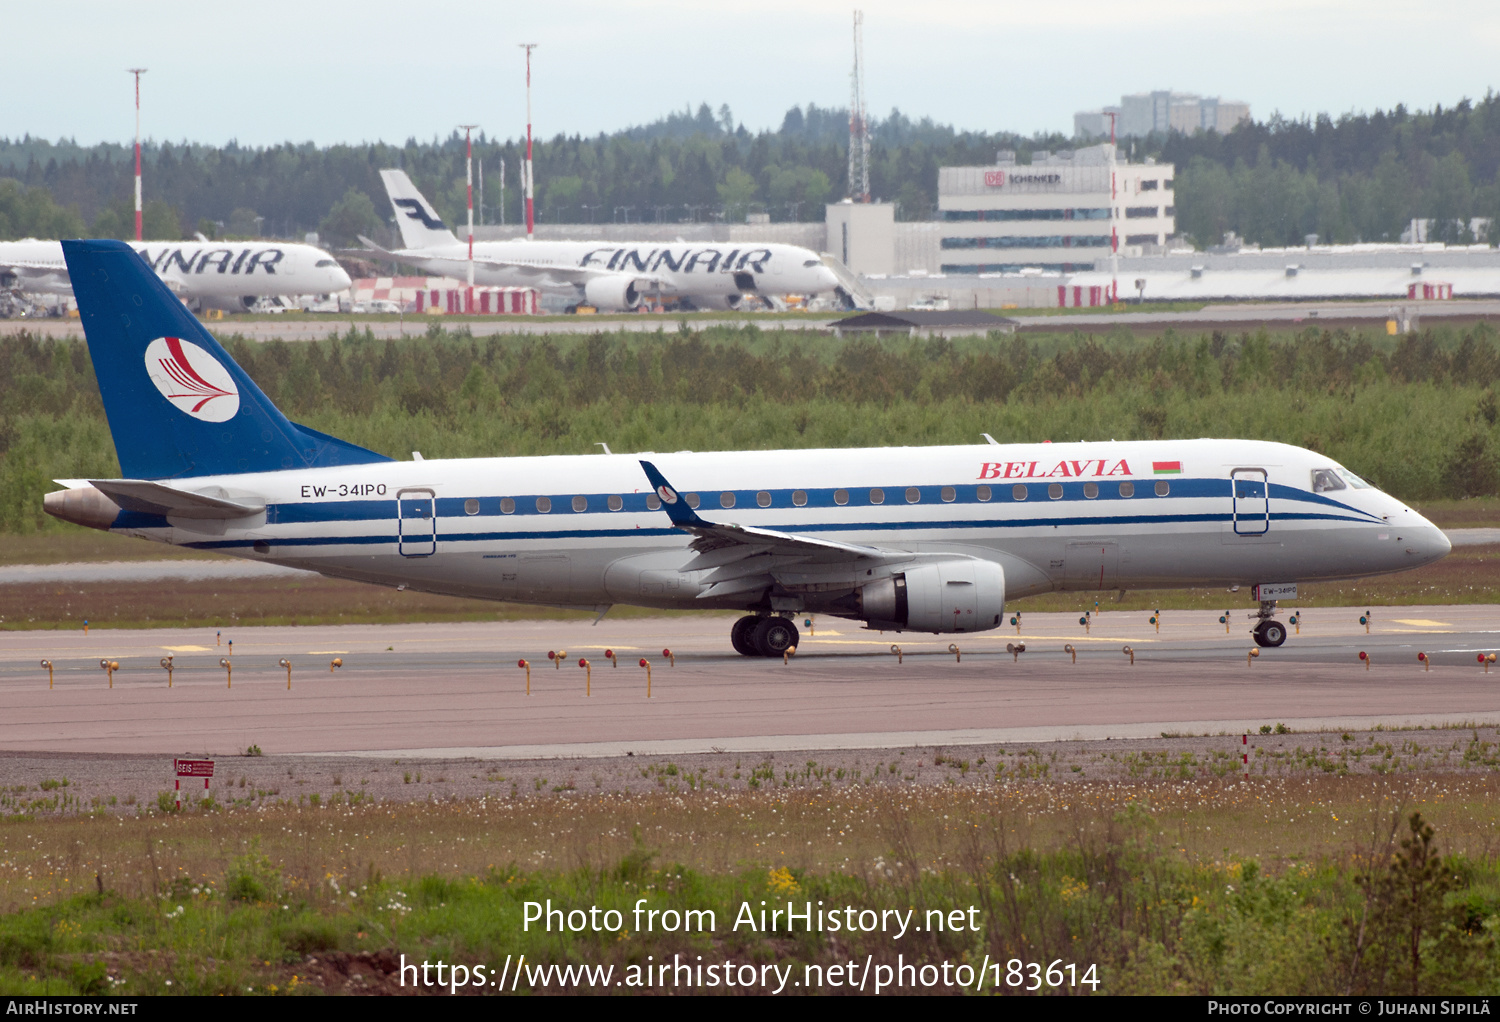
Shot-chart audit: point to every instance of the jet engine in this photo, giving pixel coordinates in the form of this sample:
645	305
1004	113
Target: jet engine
612	293
943	596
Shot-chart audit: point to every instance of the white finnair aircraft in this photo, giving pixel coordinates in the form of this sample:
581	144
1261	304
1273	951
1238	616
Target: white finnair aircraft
226	275
925	539
607	275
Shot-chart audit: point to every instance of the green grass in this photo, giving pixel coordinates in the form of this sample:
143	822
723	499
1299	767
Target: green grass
1467	513
1294	886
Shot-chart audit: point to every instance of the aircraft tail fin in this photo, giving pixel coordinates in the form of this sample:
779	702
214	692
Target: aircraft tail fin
177	404
420	225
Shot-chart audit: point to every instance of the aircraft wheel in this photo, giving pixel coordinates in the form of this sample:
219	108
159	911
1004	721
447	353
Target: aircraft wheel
742	635
775	635
1270	633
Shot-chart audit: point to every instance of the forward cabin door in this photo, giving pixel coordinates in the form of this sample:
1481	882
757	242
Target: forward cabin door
416	523
1252	501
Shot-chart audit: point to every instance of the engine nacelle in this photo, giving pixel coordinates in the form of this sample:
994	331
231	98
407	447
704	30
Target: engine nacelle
944	596
612	293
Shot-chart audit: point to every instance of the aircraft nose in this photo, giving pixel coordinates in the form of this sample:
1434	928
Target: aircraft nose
340	279
1427	544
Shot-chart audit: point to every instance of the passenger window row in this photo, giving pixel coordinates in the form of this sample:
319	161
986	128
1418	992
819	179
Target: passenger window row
1090	490
728	499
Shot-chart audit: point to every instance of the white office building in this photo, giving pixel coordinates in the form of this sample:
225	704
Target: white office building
1060	213
1145	113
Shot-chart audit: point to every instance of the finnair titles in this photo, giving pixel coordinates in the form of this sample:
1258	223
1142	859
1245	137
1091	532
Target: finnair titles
930	539
612	277
214	275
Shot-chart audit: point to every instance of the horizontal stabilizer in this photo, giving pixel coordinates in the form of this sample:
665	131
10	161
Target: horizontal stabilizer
156	499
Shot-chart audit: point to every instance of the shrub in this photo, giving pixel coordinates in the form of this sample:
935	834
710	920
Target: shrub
252	877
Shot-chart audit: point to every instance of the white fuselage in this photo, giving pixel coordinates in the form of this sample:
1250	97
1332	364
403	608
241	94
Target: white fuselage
1065	516
219	274
710	271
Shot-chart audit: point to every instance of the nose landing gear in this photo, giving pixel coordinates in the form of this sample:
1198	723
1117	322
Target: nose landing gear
1269	631
764	636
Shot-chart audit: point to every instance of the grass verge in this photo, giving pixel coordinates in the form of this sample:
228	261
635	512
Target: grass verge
1310	885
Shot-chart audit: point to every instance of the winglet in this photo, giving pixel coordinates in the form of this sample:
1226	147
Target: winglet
671	501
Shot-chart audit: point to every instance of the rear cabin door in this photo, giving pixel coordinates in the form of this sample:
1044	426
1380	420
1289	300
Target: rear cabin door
1252	501
416	523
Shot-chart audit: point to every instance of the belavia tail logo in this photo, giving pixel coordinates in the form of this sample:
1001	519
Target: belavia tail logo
667	494
192	379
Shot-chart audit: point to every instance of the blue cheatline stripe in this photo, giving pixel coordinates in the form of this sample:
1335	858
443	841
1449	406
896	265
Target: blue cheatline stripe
863	527
745	500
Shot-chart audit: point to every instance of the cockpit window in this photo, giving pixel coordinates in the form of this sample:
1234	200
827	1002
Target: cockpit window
325	262
1326	480
810	262
1352	479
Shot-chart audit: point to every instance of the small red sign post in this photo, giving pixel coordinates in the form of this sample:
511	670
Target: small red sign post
203	768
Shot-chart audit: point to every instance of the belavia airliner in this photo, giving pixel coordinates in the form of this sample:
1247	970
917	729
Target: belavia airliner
921	539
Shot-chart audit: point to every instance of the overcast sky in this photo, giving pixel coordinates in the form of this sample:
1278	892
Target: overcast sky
277	70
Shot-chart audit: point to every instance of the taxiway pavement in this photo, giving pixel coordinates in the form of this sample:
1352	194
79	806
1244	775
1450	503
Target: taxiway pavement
455	690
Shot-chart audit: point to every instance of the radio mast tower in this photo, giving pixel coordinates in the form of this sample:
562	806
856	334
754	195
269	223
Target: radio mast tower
137	71
859	127
526	179
469	187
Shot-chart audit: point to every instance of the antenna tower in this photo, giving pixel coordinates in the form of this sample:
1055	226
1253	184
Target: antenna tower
859	126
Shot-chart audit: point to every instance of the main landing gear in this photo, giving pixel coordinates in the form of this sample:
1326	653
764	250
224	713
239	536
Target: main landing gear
1269	632
764	636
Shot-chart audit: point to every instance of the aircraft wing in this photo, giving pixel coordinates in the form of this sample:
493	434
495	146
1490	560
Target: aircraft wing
28	268
551	273
567	274
741	558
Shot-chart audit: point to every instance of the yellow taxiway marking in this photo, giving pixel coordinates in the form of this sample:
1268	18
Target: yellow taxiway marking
326	652
632	649
1421	623
186	649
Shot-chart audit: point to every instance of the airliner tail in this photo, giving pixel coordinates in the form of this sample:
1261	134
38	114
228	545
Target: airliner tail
420	225
177	404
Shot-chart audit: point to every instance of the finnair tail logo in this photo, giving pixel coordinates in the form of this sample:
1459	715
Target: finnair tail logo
192	379
414	210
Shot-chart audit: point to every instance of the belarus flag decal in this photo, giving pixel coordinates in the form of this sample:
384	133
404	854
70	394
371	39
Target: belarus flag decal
1163	468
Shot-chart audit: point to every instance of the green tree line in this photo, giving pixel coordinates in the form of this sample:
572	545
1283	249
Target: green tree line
1416	415
1357	177
686	166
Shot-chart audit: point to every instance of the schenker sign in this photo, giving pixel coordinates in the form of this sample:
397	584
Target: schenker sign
998	178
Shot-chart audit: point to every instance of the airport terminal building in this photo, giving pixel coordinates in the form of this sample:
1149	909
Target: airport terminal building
1061	213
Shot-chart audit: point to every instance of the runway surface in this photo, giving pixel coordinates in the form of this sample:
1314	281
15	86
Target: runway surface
1240	316
416	326
155	570
1224	316
455	690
